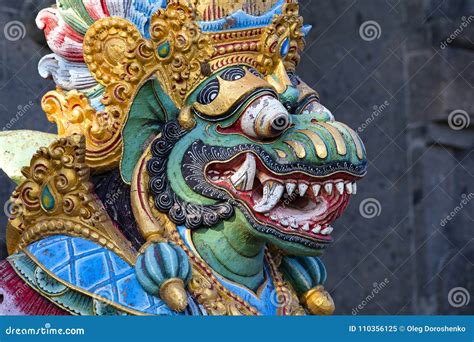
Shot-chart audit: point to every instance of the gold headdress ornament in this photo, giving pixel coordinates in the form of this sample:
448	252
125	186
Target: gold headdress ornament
188	40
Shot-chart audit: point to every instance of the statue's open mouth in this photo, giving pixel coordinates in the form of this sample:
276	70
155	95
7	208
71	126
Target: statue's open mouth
294	203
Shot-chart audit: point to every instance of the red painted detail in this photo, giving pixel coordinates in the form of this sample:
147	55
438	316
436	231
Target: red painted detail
19	299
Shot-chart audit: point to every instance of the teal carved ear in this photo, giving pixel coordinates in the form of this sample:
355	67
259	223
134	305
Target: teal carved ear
151	108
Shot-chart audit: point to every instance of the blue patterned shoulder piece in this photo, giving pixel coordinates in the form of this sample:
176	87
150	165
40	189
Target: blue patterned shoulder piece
98	272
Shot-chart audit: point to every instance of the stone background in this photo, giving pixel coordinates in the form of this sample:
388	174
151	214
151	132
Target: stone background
399	87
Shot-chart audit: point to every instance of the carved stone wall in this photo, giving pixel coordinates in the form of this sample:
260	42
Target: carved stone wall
388	68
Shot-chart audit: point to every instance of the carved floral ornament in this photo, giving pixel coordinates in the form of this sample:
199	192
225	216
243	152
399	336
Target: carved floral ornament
57	197
282	41
178	54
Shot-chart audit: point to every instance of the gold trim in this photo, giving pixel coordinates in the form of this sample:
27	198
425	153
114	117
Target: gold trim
121	60
337	136
230	93
318	143
280	153
173	293
260	289
355	138
50	299
189	50
297	147
318	301
147	223
84	292
207	9
289	25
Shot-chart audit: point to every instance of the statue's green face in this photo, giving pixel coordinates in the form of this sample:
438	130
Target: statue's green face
279	160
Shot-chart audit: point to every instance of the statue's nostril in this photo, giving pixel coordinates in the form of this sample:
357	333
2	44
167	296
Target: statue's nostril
280	123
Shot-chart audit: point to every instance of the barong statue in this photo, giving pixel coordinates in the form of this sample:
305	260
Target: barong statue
193	172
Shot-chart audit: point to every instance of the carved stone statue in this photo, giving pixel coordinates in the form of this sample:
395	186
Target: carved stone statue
194	172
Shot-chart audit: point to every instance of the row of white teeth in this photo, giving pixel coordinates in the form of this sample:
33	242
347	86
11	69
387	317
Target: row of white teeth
243	180
291	222
274	190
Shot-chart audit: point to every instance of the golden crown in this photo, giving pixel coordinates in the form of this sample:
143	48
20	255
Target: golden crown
181	44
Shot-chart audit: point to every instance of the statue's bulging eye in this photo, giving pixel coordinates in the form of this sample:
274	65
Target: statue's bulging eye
265	118
233	74
209	93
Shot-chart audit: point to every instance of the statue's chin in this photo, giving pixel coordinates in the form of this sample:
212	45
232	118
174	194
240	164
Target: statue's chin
296	205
